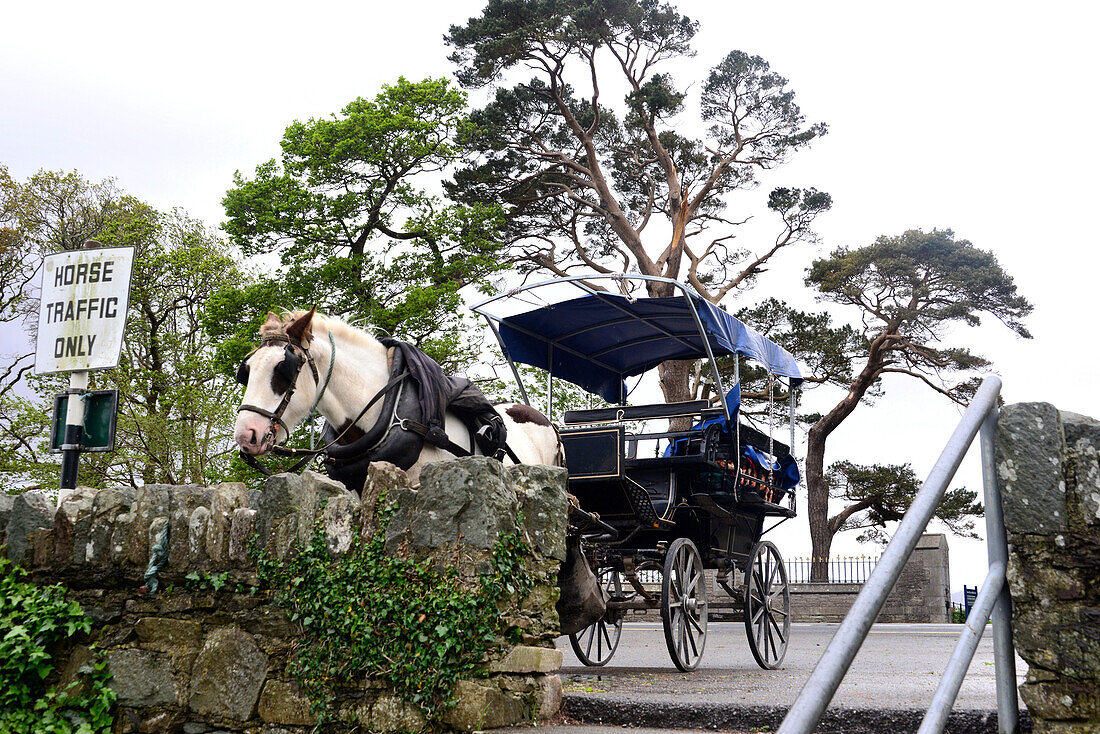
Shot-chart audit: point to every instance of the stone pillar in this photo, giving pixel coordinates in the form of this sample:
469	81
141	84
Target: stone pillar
1047	469
923	590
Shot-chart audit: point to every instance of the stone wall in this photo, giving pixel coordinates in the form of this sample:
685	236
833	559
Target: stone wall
1047	469
822	602
191	658
922	592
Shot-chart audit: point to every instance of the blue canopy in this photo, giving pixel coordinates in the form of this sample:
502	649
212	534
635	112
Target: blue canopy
596	341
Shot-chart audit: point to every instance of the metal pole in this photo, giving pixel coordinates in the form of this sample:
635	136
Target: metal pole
737	422
791	388
948	690
1004	654
504	351
710	353
74	430
819	689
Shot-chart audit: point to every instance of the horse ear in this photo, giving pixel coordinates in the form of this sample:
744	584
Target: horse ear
272	320
300	330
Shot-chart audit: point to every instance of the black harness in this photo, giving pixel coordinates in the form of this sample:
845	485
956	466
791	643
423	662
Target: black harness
397	436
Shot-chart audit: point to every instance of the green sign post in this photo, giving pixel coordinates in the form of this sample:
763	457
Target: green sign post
100	410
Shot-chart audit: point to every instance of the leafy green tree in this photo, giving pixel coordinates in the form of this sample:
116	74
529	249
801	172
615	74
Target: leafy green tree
176	411
25	462
591	186
355	234
908	292
881	493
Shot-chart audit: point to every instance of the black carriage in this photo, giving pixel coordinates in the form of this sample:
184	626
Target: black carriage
700	497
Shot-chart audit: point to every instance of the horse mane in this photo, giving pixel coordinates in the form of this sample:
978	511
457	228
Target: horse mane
337	326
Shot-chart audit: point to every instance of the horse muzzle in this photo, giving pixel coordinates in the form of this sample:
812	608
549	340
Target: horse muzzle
254	440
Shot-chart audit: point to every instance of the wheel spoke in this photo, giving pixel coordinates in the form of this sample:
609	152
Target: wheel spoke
758	582
764	640
693	583
695	623
590	633
771	639
775	626
774	567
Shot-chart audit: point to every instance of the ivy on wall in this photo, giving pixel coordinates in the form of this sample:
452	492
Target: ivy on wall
371	615
33	620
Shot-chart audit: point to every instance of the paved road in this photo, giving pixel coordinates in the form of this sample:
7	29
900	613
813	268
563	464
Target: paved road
898	668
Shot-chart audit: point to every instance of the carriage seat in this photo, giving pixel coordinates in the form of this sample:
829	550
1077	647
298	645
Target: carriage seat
599	478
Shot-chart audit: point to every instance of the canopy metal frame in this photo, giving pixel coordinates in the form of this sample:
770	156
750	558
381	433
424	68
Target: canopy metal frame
581	282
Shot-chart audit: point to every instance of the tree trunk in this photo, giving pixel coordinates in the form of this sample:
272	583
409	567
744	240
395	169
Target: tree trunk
676	386
817	504
817	489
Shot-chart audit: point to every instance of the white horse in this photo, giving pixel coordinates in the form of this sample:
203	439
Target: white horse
310	361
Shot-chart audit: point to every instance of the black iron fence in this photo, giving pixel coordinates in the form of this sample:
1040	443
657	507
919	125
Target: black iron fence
844	570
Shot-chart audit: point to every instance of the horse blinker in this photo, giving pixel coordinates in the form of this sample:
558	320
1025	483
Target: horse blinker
242	373
285	373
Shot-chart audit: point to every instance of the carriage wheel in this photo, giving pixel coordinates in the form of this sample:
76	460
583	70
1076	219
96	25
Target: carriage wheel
767	605
595	644
684	604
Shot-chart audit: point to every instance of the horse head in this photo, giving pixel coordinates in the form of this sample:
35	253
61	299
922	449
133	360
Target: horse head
281	384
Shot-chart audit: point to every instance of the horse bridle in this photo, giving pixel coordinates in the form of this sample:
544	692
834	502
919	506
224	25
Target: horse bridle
293	347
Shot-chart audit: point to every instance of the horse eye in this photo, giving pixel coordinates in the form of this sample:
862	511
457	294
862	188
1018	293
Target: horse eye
242	373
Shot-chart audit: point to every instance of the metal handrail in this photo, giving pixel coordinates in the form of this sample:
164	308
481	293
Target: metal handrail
993	598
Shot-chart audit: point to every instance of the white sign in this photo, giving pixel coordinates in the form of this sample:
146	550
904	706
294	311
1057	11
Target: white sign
85	295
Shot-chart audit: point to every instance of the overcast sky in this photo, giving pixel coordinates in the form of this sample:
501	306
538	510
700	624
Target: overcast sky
977	116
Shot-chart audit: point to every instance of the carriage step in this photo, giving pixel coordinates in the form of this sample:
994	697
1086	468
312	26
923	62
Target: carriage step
706	502
642	504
